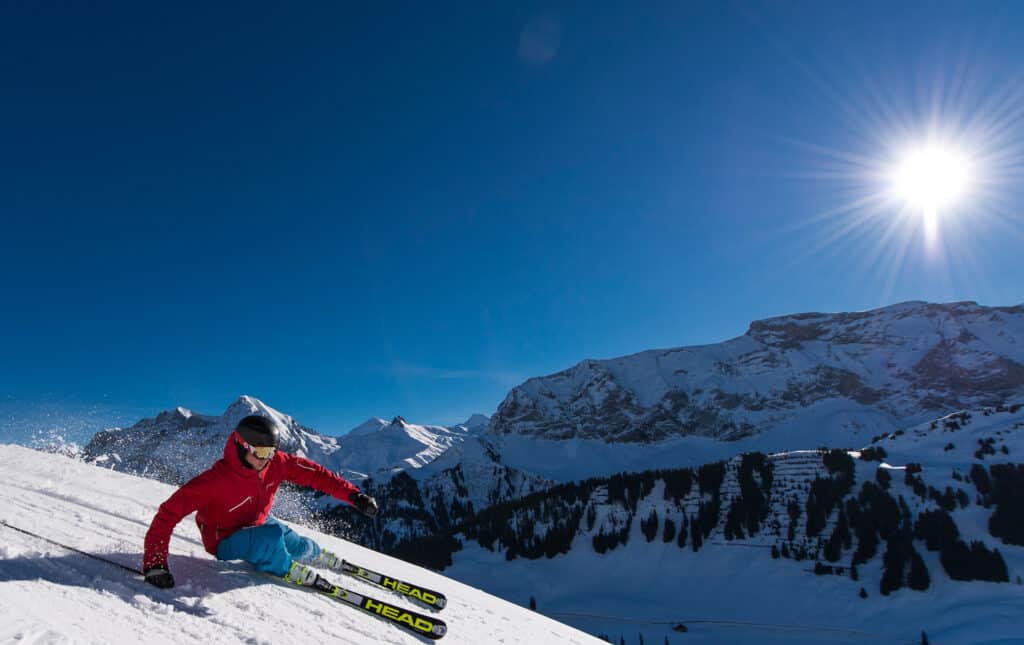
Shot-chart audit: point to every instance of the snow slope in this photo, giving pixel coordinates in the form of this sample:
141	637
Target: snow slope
51	595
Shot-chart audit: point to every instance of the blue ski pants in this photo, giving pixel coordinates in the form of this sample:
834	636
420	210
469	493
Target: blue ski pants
271	547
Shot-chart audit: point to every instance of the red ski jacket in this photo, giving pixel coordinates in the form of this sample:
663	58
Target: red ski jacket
230	496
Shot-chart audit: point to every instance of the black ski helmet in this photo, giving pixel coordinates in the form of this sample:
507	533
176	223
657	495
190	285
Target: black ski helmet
258	431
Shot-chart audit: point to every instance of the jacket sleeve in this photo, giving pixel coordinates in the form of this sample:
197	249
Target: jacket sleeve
188	498
309	473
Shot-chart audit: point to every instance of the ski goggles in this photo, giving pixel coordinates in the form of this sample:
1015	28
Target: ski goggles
260	452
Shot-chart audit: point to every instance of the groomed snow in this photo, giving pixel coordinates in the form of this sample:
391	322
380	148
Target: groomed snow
52	595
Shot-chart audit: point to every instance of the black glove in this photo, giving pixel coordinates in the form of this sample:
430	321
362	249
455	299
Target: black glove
159	577
363	503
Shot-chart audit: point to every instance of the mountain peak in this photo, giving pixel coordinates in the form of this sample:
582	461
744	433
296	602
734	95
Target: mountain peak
371	425
173	416
476	421
246	405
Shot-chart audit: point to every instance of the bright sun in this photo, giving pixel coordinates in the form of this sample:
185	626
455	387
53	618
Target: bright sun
925	172
931	178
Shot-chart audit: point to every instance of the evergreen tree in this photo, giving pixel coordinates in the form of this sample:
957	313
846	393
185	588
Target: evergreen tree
883	477
834	546
843	528
863	593
624	533
937	529
894	561
533	603
732	520
867	544
649	527
670	530
981	479
873	454
976	563
918	578
710	477
1008	495
775	552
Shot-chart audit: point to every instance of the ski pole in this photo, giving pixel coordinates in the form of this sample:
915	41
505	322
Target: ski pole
71	548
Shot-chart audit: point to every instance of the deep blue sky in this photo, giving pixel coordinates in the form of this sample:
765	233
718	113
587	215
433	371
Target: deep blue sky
350	210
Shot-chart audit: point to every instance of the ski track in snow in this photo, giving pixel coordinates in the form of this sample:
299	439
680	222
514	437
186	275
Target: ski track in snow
51	595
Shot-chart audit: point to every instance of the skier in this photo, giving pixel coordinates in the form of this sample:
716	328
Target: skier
233	500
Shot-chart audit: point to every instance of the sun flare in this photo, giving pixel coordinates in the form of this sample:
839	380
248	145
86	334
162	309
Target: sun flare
932	177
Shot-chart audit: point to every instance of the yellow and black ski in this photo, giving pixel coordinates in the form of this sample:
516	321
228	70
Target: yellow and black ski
412	621
427	597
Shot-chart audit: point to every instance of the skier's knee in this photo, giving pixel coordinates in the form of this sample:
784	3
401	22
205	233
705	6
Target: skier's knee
270	532
267	539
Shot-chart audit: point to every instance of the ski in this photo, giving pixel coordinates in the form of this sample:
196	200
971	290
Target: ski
428	597
412	621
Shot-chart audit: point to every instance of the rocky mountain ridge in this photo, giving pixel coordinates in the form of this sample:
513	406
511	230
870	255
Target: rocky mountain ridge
178	444
909	361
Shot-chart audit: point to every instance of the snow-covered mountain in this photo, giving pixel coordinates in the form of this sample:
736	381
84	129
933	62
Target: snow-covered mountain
919	531
49	594
376	448
895	365
178	444
432	499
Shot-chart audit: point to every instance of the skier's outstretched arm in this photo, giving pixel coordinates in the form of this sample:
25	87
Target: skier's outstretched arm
185	500
309	473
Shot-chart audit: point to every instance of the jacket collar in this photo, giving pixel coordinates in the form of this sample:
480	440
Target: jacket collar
235	464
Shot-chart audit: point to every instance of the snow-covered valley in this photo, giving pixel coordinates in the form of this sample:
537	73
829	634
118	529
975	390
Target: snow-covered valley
733	591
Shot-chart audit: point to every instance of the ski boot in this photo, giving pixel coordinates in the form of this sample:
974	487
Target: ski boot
327	560
301	575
